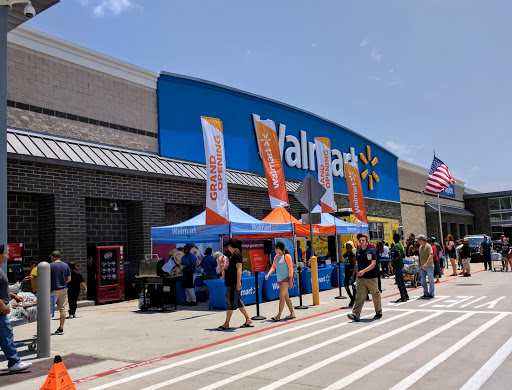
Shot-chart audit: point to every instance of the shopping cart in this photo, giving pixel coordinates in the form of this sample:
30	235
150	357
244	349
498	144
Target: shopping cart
411	272
497	257
24	313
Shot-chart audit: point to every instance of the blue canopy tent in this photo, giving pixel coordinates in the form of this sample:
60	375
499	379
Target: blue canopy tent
196	230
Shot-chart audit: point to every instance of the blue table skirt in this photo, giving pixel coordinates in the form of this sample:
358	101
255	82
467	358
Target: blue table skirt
324	278
199	287
217	290
271	288
334	276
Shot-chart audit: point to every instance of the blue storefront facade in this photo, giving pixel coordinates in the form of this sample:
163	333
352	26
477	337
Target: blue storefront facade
183	100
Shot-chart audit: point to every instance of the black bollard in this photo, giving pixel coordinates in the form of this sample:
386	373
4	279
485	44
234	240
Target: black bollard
339	282
301	306
257	316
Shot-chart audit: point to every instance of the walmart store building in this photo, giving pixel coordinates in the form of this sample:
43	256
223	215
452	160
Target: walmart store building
100	150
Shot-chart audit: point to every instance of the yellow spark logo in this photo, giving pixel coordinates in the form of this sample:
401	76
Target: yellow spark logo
201	229
365	159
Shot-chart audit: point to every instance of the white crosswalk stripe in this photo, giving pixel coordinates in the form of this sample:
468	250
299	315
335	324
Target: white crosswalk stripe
325	343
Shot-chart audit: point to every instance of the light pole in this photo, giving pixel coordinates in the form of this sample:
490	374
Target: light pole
3	128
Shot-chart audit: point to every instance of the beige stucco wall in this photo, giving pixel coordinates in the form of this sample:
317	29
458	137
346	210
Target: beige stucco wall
38	79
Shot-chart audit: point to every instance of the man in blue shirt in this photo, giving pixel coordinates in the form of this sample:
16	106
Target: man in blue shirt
209	265
299	252
189	262
485	251
308	251
366	258
60	277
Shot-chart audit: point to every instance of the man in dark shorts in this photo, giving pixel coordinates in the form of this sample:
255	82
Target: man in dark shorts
233	282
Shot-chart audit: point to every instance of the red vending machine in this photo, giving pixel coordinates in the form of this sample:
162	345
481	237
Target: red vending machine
109	267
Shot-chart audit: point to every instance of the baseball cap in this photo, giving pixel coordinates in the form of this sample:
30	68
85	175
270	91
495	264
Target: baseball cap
55	254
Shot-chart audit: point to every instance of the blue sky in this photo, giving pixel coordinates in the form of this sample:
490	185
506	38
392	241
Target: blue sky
411	75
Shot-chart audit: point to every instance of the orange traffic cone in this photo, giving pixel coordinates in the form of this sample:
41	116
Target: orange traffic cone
58	378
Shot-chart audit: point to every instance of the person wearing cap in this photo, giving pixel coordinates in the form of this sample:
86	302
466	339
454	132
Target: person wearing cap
60	275
366	280
485	252
14	363
350	271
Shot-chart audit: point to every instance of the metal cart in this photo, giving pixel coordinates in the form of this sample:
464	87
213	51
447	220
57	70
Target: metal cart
411	271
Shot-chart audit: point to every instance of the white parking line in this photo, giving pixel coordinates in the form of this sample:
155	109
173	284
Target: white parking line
213	353
418	374
473	301
343	354
276	362
246	356
459	301
484	373
435	300
393	355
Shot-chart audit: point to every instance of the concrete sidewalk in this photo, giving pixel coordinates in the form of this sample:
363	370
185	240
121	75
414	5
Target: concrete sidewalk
111	336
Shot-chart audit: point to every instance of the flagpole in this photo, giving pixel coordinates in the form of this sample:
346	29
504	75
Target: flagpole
440	223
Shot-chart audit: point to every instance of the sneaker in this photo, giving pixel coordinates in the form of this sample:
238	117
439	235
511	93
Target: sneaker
431	296
20	366
59	331
377	316
401	300
353	317
425	296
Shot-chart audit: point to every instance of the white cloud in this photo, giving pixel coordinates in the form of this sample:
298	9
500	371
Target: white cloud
102	8
394	83
375	55
374	78
391	70
364	43
403	150
249	52
313	45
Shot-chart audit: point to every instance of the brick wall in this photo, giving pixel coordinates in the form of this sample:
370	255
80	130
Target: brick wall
36	79
23	224
480	207
74	207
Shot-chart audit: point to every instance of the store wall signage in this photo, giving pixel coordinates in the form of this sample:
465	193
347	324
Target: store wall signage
182	100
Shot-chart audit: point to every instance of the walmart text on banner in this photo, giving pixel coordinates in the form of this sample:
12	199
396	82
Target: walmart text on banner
271	157
217	211
323	159
355	192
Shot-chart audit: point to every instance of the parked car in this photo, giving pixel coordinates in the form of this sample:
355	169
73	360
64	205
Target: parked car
474	245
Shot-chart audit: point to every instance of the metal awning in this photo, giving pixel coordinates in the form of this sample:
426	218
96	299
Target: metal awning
450	209
45	148
15	17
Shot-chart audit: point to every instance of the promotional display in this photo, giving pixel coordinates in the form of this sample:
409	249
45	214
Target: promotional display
217	211
355	192
324	168
181	100
271	156
196	230
105	273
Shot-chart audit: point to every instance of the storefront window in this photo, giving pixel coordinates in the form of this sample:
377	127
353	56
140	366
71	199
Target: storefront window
376	231
505	203
494	204
496	217
497	231
506	216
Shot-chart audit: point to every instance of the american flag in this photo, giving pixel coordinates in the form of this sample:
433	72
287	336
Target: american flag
439	177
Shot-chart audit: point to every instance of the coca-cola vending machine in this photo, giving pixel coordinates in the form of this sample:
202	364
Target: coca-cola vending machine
106	273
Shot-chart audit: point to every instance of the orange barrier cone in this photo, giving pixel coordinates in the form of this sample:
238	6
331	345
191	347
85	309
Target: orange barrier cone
58	378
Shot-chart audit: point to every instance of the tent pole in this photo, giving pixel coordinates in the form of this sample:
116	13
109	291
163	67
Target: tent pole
339	270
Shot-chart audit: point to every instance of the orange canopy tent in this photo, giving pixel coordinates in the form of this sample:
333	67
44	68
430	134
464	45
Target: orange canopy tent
281	215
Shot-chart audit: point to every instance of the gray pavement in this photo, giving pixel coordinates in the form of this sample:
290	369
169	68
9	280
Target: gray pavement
457	338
